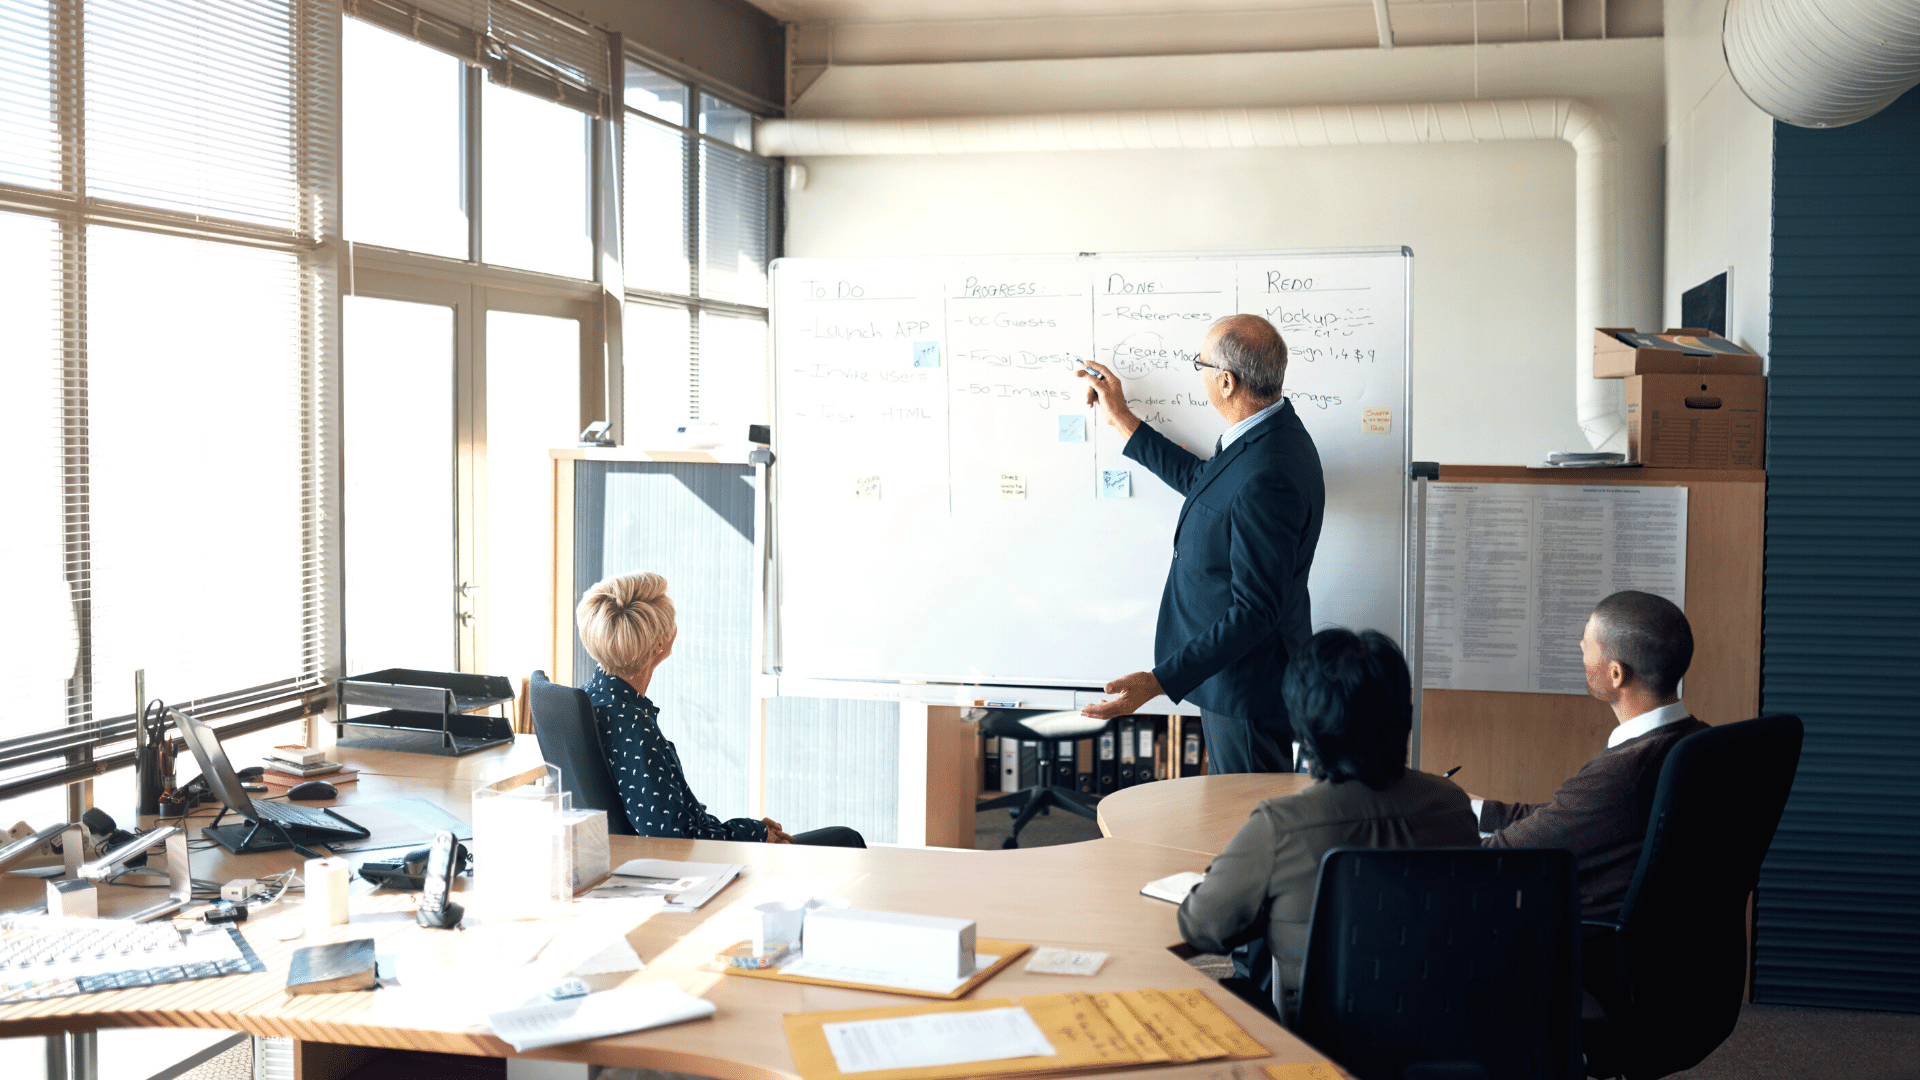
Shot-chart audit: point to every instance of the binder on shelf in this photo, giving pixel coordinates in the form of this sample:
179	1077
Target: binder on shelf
1108	766
1063	762
1128	760
1009	764
1085	778
990	759
1191	754
1031	762
1145	750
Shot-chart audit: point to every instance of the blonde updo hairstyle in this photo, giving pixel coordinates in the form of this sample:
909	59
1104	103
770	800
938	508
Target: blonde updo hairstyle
623	619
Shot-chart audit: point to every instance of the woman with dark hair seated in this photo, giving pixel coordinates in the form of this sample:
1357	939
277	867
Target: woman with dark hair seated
1350	701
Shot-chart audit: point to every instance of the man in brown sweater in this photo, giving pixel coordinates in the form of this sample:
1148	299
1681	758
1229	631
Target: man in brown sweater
1636	647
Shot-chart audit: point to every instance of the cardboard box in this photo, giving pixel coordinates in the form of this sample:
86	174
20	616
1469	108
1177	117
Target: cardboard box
1697	421
1615	359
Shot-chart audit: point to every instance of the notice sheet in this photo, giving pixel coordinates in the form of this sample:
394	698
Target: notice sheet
1513	571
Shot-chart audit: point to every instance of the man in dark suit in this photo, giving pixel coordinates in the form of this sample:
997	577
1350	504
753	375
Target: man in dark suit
1235	607
1636	646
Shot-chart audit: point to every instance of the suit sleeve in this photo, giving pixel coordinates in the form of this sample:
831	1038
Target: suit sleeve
1226	910
1263	526
1174	465
1585	811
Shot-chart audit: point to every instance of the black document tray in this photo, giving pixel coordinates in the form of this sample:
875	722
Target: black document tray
426	711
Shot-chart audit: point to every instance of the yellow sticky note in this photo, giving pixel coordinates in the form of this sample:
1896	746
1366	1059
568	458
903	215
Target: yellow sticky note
1376	421
1311	1070
867	487
1013	485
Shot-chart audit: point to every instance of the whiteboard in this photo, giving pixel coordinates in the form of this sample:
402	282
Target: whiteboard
912	397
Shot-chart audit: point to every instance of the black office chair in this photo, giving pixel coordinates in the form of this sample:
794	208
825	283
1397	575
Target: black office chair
563	722
1048	727
1444	964
1671	971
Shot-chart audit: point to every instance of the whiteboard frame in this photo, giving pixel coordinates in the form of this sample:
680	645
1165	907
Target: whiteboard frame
769	680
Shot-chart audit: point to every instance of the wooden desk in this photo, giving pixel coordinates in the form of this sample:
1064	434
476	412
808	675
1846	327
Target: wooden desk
1197	813
1084	895
487	765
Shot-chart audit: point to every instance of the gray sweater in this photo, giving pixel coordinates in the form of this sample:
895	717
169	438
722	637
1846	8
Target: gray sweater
1275	859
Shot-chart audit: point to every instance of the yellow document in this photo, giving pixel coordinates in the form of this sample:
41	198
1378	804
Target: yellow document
1215	1023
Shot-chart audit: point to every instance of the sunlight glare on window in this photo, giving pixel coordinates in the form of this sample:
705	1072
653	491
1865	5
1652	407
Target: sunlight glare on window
400	177
533	184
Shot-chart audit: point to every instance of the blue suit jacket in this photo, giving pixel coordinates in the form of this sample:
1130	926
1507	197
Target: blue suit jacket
1235	607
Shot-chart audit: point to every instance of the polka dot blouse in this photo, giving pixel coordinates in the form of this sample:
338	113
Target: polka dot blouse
646	769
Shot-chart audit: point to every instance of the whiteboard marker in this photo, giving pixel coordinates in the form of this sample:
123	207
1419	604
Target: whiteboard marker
1089	369
993	704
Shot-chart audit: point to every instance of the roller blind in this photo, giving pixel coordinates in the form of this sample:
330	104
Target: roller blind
166	322
523	44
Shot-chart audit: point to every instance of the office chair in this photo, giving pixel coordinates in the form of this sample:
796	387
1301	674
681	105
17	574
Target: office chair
1047	727
1670	972
1444	964
563	722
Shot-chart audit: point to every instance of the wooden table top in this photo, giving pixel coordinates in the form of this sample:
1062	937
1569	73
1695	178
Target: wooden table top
1083	895
1198	813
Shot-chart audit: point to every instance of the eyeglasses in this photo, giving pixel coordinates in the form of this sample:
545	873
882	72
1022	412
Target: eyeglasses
1199	363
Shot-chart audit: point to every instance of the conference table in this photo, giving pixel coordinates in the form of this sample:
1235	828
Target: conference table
1198	813
1083	896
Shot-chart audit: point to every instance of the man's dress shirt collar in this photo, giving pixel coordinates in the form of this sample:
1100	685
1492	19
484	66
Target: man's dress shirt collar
1249	423
1647	721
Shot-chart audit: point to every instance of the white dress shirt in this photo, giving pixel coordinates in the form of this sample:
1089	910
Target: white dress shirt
1631	729
1247	425
1647	721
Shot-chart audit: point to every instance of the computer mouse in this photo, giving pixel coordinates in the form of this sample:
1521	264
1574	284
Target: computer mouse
312	789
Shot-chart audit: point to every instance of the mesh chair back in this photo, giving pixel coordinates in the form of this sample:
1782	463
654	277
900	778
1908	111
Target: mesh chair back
563	722
1683	923
1444	962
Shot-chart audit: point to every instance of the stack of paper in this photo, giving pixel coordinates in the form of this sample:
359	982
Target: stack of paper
683	886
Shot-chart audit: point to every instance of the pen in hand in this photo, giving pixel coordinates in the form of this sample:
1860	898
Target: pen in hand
1091	370
1448	775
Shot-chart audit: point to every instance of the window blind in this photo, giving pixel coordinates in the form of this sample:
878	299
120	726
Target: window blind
166	318
523	44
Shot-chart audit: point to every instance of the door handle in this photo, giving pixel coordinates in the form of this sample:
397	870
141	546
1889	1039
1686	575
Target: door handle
467	588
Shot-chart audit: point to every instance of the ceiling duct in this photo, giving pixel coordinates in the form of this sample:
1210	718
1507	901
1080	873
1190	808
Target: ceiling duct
1822	63
1598	288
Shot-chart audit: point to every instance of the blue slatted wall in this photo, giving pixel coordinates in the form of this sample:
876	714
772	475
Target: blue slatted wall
1839	905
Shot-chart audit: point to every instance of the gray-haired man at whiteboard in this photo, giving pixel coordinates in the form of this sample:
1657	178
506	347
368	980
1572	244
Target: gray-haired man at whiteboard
1235	607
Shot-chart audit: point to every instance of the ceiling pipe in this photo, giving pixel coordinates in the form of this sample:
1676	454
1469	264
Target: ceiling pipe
1598	288
1822	63
1383	23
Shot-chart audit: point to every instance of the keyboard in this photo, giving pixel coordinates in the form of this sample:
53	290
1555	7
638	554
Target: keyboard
303	817
43	957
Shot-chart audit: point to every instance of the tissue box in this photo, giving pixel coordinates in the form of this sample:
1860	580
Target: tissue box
890	941
591	858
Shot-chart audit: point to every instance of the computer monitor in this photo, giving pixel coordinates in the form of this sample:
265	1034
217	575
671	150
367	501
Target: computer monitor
221	779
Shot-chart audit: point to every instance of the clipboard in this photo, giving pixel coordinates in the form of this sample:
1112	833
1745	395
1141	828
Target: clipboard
1008	951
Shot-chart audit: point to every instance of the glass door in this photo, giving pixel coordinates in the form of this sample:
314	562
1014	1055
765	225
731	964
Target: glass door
403	603
532	404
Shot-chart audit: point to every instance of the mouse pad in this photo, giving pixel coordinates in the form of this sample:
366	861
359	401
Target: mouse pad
398	823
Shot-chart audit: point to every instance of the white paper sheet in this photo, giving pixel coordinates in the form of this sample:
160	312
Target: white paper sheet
914	1042
1174	887
932	984
596	1016
1513	571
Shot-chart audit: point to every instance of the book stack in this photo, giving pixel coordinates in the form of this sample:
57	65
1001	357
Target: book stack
290	765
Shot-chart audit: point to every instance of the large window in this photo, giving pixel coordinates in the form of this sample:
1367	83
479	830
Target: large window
699	224
163	329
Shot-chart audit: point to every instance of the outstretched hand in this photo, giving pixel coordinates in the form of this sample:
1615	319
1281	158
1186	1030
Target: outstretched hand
1106	394
1135	691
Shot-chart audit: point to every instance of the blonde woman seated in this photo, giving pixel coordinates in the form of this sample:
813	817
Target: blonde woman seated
626	624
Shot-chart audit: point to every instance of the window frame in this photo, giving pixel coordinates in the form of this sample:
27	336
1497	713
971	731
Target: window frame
692	138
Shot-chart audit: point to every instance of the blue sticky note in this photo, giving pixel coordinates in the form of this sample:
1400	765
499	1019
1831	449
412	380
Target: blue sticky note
1073	429
926	354
1116	483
